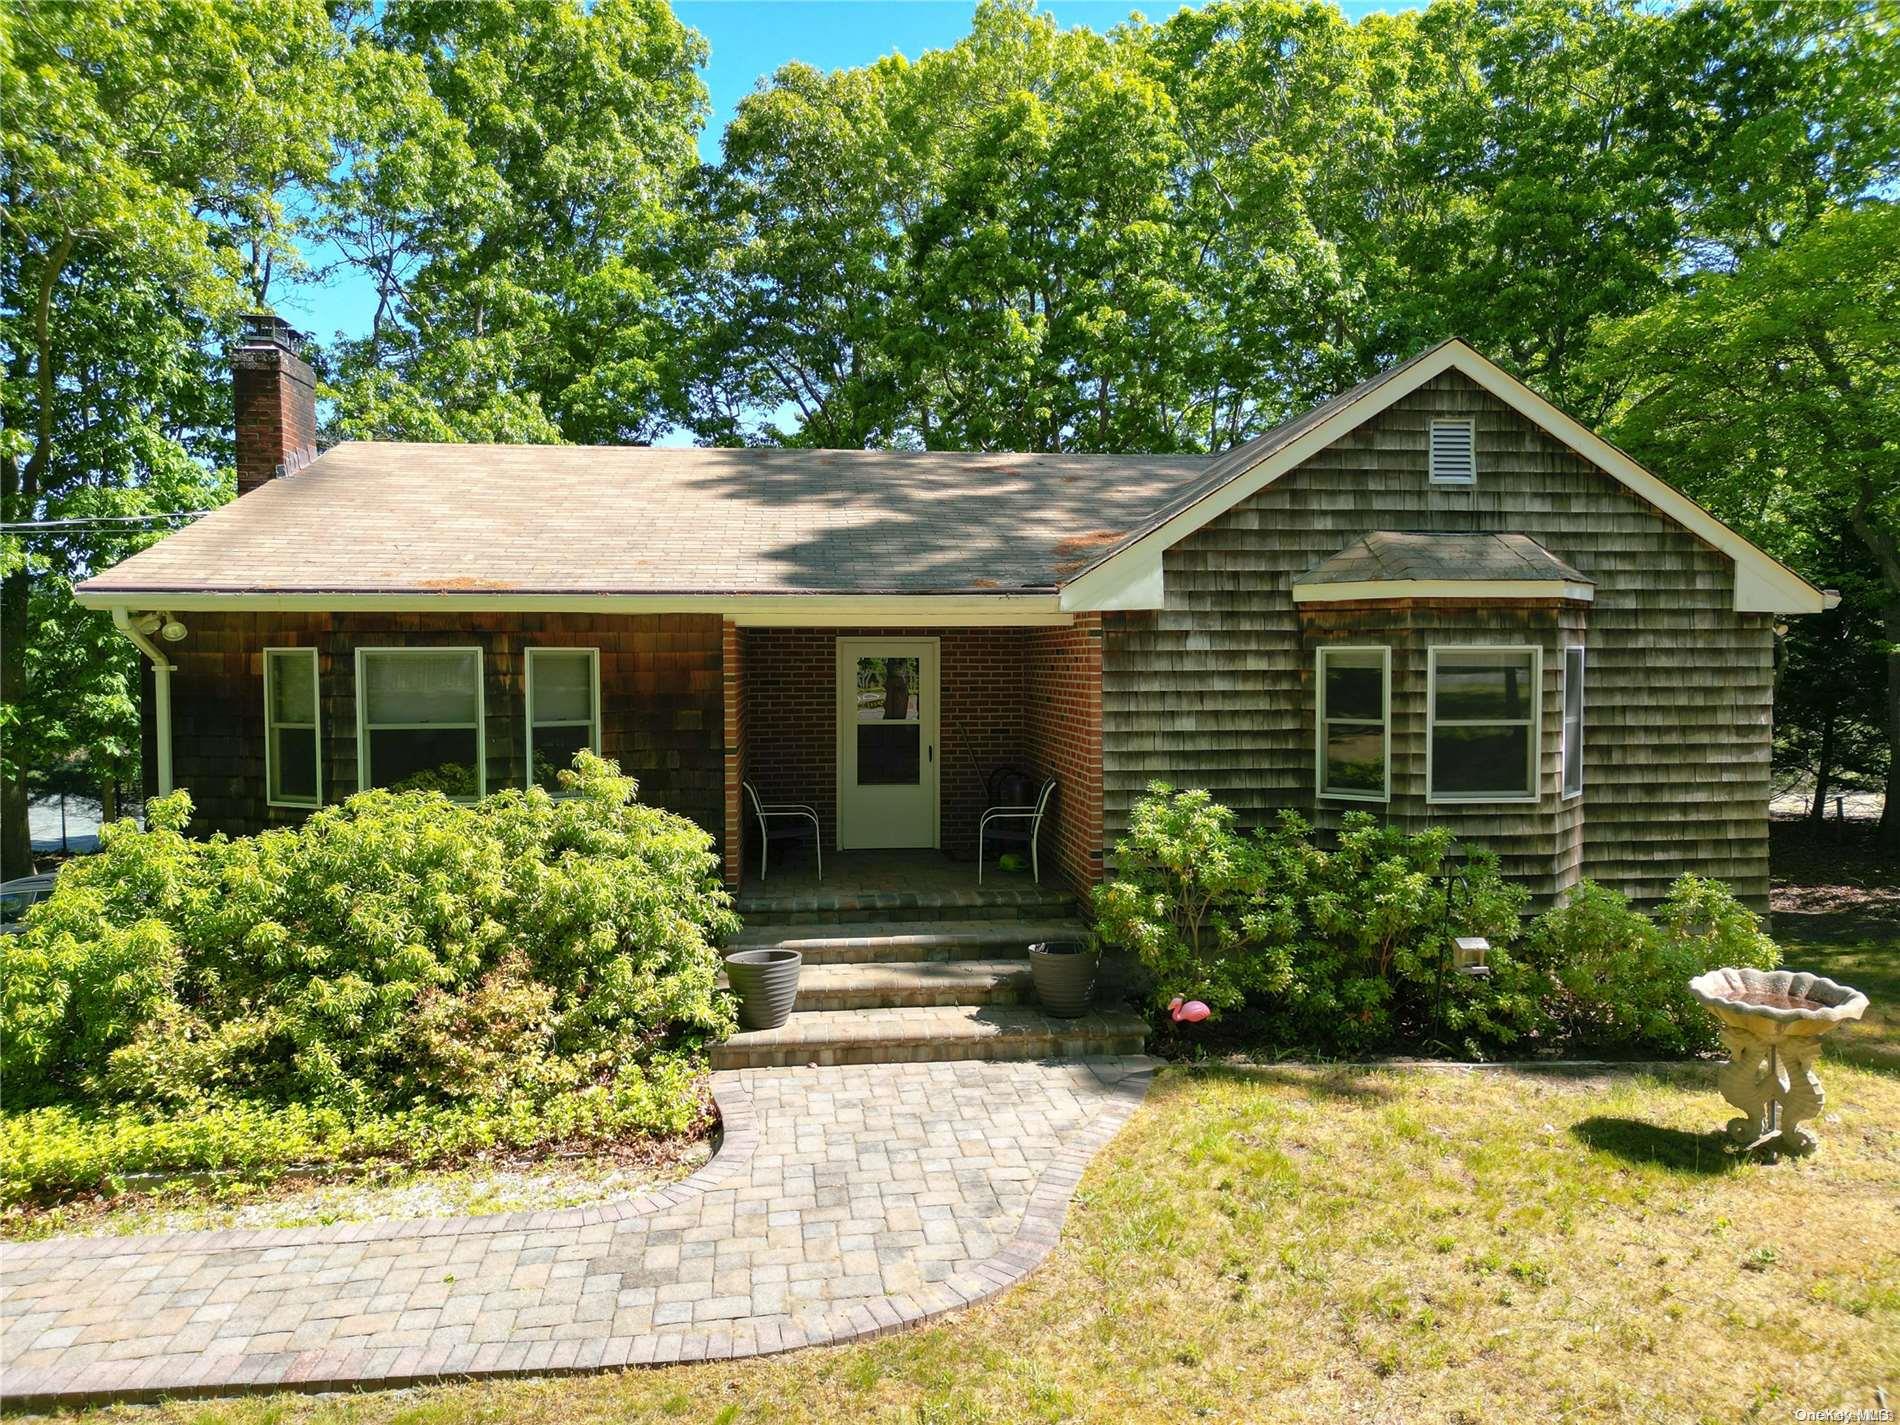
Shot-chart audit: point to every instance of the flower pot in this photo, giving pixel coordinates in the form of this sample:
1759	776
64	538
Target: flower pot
1064	971
766	982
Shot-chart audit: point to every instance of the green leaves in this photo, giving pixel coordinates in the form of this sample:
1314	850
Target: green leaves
396	950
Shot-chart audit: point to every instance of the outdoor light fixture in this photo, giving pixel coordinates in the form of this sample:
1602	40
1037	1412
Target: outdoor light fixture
173	631
148	624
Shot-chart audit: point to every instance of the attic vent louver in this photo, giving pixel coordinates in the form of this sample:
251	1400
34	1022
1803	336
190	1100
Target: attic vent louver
1452	460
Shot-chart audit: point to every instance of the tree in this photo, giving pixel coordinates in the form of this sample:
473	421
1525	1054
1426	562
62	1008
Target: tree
144	148
515	168
1771	394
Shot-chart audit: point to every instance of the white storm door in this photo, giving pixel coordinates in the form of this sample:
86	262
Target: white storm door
887	742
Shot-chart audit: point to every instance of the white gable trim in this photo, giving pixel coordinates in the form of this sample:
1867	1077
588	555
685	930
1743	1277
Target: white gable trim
1762	584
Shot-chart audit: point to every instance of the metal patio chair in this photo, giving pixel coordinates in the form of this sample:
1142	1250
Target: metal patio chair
1015	826
793	819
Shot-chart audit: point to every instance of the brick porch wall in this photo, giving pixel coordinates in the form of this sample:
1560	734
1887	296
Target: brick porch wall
732	840
790	718
1062	722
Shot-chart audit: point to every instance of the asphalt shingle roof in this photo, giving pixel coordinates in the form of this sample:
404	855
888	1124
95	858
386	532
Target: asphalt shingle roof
377	517
1395	555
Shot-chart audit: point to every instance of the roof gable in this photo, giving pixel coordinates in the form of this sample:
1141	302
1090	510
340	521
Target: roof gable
1129	575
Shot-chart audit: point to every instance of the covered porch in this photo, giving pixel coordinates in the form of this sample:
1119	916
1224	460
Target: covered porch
892	737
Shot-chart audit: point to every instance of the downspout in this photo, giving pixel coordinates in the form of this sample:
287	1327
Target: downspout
161	694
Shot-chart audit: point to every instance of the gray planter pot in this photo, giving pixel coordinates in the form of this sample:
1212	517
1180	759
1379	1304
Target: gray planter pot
1064	972
766	982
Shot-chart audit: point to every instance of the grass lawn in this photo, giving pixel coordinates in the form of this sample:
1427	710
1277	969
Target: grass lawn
1422	1245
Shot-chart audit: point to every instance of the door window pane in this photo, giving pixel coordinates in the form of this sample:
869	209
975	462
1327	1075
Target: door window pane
890	690
422	714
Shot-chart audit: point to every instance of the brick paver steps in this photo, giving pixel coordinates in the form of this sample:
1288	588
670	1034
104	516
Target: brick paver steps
1024	899
898	940
842	1203
914	983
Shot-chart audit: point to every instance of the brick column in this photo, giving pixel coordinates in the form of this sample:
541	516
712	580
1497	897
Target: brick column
1062	725
732	655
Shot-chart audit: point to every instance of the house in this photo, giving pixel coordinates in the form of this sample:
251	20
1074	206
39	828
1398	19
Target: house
1434	597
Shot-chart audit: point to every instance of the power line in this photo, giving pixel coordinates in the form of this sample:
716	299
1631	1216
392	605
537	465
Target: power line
98	521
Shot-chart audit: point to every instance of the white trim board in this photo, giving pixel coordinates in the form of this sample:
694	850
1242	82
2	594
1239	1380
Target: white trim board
1762	583
1346	592
747	610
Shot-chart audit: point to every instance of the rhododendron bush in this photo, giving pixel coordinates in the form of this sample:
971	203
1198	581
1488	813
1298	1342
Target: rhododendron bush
525	957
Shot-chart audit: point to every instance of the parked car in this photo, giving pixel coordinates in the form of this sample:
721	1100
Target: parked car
17	895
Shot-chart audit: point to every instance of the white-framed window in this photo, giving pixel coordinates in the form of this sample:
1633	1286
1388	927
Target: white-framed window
293	753
1353	723
1483	712
1453	453
419	720
1573	720
562	691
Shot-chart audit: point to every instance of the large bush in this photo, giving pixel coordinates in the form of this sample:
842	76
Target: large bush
1617	980
1343	949
1346	946
396	954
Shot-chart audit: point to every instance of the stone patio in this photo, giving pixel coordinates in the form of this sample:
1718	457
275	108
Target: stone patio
843	1202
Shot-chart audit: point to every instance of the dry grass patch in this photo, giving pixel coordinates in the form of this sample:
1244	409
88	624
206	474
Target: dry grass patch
1399	1245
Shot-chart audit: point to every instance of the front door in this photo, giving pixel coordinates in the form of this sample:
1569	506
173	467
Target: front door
887	742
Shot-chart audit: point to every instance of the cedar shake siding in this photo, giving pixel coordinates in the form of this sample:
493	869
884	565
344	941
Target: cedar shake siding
660	693
1215	689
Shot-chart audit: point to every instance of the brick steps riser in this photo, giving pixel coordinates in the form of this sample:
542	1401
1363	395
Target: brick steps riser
1021	992
1054	907
990	1050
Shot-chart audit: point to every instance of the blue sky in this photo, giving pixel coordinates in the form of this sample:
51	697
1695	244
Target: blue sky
749	39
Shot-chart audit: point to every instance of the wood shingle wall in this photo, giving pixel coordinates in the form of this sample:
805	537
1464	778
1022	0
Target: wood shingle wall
660	693
1215	690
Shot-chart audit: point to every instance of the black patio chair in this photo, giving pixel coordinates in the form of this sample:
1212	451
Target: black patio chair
795	820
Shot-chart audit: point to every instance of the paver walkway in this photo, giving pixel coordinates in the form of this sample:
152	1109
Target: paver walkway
843	1202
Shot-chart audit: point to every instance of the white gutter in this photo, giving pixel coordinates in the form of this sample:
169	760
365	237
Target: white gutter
161	693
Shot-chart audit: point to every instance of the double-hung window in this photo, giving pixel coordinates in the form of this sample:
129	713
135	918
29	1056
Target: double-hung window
1573	720
419	720
563	692
1353	733
293	760
1481	745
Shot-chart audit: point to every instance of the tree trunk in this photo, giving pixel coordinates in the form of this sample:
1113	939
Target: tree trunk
1823	771
16	842
1890	812
108	799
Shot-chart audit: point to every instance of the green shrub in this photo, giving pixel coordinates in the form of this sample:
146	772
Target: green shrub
1616	980
1345	946
1190	899
1370	961
398	953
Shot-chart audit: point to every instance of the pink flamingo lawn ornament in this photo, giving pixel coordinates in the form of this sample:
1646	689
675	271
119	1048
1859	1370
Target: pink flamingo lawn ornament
1187	1011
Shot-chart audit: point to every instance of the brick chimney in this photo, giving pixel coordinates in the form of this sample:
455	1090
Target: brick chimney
275	394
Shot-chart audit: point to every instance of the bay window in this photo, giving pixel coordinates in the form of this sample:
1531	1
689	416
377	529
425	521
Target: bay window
1353	733
1483	709
1573	721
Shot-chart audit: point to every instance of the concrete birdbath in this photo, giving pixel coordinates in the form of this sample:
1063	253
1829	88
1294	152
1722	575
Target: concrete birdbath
1772	1025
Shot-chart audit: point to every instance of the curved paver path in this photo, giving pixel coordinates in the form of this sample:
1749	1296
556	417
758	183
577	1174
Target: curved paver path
843	1202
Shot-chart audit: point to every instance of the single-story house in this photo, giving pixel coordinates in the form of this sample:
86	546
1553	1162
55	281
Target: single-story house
1435	597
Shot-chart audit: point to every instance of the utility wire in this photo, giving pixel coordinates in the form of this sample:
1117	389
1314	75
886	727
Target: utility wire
100	521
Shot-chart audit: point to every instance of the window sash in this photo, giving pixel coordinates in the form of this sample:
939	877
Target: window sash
366	660
1527	790
1572	730
591	722
274	795
1326	724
